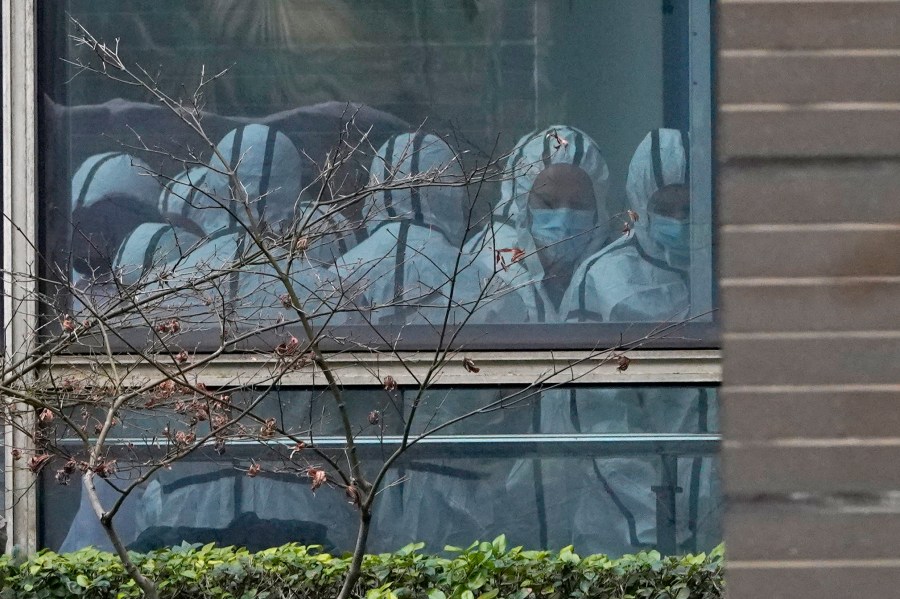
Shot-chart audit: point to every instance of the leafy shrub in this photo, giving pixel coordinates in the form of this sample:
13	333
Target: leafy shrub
481	571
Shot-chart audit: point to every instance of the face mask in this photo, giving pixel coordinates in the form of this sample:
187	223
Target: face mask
674	236
562	234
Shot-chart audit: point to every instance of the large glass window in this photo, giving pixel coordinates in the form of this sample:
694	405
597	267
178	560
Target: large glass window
595	116
611	469
372	177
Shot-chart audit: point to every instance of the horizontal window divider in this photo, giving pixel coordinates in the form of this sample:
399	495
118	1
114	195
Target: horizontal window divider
495	368
497	446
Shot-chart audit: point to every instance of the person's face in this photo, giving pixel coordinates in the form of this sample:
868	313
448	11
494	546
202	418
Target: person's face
673	201
563	213
562	186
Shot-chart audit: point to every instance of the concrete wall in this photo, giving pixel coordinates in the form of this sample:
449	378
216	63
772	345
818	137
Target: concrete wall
809	171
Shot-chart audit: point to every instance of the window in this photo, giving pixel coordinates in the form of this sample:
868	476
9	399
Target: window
597	115
594	225
615	470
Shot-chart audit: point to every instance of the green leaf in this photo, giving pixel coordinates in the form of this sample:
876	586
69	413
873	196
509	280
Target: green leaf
83	580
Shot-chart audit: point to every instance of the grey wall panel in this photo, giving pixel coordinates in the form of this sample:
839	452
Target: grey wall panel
814	360
812	191
754	414
815	581
834	469
830	252
805	25
803	132
874	304
778	77
821	527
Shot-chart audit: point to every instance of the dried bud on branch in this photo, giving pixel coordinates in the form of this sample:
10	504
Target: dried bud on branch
35	463
389	383
104	469
469	365
318	477
46	415
300	446
253	470
288	347
556	137
374	417
353	493
171	326
268	429
622	363
62	478
517	254
68	325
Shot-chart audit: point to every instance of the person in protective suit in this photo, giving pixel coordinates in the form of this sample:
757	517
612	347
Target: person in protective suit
412	259
112	193
531	154
268	167
621	504
557	201
643	276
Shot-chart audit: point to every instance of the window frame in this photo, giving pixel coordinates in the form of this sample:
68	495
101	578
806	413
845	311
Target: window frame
20	32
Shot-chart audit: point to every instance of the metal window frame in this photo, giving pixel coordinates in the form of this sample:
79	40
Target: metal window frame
20	202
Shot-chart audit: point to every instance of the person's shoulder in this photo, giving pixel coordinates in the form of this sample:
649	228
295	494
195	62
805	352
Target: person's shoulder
609	256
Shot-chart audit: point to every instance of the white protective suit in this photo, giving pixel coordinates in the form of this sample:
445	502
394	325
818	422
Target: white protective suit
111	194
408	264
529	157
535	153
630	280
610	504
268	166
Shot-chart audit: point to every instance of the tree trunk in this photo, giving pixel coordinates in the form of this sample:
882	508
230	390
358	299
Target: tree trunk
353	574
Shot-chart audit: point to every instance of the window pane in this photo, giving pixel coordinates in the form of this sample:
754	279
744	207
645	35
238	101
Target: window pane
613	469
598	210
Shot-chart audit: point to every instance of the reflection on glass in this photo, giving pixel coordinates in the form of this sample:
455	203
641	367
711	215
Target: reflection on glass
612	470
567	232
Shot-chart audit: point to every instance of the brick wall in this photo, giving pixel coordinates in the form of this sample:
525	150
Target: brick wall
809	171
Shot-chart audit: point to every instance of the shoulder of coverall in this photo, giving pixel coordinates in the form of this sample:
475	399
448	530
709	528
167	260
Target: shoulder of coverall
597	276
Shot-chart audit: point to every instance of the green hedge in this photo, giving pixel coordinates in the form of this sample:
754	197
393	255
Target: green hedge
482	571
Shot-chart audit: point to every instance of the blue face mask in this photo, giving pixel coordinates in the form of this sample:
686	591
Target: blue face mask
674	236
562	234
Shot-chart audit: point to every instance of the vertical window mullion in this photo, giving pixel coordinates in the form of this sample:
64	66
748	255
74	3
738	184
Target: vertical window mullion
19	237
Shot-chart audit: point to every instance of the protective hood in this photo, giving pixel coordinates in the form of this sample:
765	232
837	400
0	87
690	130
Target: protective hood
268	166
151	246
185	191
559	144
112	172
440	207
111	195
659	160
538	150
